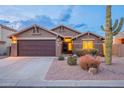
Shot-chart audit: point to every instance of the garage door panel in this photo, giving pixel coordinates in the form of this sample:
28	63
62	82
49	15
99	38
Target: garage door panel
36	47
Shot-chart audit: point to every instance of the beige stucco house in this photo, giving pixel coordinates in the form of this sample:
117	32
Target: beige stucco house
39	41
5	42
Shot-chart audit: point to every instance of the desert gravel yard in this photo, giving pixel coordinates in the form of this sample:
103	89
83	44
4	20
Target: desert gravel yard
60	70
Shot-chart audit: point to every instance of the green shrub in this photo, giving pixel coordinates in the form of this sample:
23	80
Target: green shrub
72	60
61	57
83	52
78	53
94	51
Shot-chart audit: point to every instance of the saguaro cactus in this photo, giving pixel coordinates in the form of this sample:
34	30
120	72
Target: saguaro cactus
110	31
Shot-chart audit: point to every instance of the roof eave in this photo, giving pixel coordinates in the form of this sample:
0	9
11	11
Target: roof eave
88	32
24	29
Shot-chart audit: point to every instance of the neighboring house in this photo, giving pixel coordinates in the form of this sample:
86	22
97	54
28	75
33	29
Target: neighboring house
119	38
5	42
118	44
38	41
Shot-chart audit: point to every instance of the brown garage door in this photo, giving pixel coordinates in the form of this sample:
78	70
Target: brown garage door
36	48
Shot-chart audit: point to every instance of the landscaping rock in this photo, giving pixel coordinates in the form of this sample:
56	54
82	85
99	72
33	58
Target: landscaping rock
93	71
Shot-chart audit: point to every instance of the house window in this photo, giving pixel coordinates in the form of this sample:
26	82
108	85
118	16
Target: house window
87	44
67	39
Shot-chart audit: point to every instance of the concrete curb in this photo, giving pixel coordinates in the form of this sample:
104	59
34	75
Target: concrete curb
64	84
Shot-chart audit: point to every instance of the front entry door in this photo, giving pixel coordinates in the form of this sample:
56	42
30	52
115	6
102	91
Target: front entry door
67	47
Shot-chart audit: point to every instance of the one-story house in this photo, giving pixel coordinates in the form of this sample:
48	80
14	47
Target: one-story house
39	41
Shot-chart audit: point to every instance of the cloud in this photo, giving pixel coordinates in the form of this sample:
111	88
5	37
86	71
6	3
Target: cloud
66	15
80	25
13	24
11	18
23	20
40	20
4	22
12	21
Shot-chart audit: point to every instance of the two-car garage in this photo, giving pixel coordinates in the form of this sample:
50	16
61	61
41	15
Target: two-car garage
35	41
36	47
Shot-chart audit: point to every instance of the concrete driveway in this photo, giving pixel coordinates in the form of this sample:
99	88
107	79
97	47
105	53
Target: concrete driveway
24	68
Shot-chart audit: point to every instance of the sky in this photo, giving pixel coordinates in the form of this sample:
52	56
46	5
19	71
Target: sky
82	18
